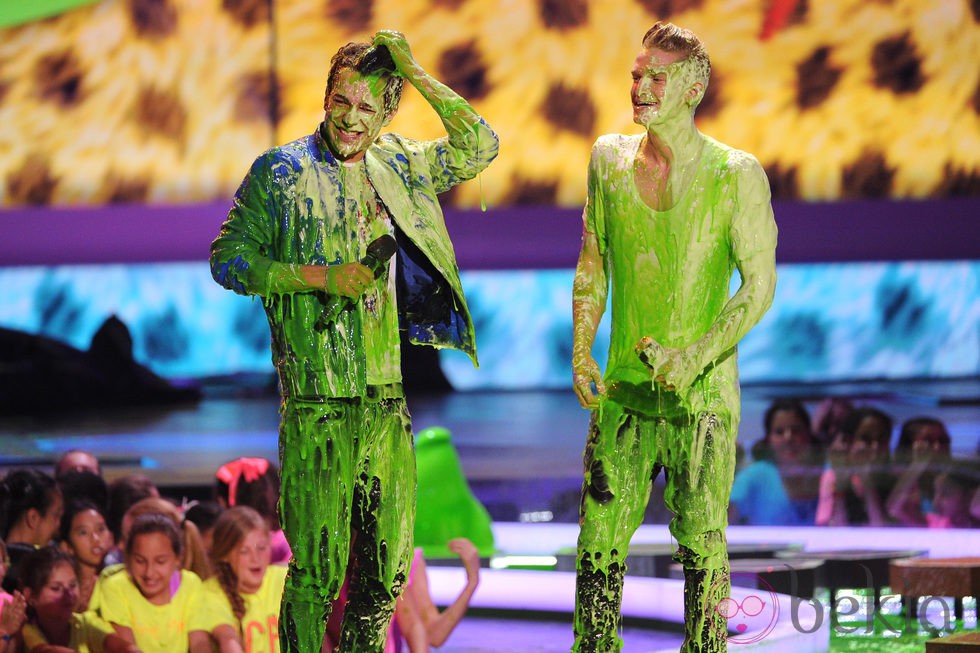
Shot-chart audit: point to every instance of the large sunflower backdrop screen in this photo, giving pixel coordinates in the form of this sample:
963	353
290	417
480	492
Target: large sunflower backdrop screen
170	100
163	102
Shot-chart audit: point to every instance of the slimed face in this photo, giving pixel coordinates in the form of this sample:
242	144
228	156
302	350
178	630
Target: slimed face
354	114
662	84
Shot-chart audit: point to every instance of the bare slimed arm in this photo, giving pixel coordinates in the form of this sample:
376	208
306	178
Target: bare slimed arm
588	305
473	143
446	102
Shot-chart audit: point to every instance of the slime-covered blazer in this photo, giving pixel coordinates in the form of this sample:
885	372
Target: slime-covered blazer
292	210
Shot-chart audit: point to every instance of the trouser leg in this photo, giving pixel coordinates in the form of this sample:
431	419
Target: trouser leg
383	516
618	471
705	627
699	483
317	447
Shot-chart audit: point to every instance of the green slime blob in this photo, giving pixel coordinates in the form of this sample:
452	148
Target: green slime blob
445	505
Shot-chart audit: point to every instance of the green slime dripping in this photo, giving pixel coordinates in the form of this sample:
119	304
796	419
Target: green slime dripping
670	215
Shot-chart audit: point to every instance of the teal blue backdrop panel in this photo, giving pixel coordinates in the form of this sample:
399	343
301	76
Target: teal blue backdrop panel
848	321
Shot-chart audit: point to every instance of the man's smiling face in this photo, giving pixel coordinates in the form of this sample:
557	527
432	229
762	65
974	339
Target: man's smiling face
354	114
659	87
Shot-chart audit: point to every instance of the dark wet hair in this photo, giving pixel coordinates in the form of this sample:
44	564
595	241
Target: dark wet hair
671	38
349	57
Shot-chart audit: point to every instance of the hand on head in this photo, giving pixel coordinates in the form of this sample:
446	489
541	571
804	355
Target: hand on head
398	46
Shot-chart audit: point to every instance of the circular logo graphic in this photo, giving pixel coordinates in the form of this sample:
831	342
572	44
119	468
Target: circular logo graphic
752	618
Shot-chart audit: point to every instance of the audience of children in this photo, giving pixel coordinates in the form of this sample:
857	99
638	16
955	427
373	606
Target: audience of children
242	599
780	485
165	576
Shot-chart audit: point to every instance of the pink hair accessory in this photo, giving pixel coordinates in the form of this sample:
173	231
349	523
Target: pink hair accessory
230	473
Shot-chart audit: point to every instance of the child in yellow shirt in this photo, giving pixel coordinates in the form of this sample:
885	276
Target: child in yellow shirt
155	606
51	587
241	601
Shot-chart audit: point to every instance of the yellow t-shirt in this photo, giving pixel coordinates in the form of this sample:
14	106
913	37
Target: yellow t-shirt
157	628
87	634
260	625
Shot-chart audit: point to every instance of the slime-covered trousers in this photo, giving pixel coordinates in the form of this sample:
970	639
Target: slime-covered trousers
624	453
348	466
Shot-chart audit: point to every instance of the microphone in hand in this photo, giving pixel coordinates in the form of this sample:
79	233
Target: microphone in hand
379	252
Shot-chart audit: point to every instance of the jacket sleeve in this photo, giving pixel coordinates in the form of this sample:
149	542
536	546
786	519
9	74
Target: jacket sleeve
242	256
466	151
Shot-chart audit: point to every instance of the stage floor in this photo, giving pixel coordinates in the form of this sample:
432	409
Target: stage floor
521	451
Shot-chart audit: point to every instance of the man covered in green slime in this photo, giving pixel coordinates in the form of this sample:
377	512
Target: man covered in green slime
302	234
670	215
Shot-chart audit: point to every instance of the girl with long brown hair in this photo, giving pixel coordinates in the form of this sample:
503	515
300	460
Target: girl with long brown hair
243	597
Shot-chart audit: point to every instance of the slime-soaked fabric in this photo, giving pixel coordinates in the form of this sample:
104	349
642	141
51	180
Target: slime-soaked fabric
706	628
295	208
348	465
669	272
625	451
346	453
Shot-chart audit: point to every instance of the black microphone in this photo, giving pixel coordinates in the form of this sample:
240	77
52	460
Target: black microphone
379	251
